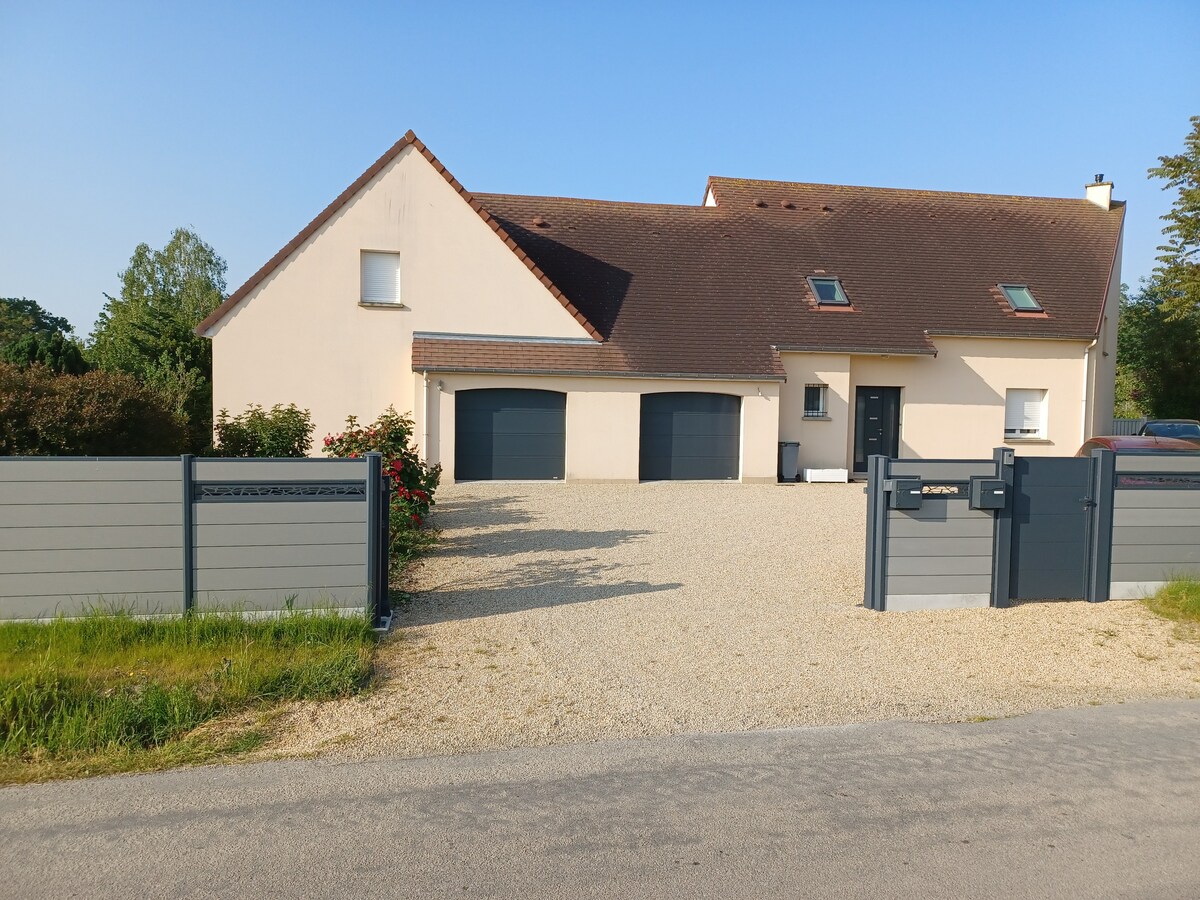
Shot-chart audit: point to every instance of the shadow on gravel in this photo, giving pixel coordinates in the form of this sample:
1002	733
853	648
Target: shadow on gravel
535	540
532	586
480	512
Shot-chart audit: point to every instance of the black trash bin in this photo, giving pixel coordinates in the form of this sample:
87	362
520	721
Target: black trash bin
789	460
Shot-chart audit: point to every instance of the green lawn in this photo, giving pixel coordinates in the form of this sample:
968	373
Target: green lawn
115	693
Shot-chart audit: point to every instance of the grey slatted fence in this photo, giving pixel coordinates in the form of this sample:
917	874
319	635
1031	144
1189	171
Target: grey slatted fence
928	548
161	536
1155	522
1127	426
963	533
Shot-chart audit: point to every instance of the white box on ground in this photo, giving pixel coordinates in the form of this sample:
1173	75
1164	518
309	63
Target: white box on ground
840	476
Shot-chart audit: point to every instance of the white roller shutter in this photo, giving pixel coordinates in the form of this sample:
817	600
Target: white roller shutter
380	277
1024	413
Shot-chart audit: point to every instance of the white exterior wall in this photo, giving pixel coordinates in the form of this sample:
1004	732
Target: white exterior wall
301	336
951	405
1102	358
604	420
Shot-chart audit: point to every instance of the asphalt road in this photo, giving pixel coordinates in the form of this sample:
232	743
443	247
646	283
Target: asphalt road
1093	802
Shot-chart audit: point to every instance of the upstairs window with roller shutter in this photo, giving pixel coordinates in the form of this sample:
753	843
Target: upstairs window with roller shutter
380	279
1024	415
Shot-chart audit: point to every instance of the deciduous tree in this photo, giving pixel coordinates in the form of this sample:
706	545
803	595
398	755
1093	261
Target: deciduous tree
147	331
1178	274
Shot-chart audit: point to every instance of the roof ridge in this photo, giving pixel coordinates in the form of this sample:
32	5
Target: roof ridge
410	139
966	195
687	207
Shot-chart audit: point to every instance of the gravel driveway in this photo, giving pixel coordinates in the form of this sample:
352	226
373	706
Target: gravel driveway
570	612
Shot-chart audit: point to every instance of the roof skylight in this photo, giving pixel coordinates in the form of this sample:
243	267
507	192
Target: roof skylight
828	291
1020	298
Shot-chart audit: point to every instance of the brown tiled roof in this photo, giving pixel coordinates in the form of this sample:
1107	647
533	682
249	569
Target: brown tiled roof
409	139
549	358
715	290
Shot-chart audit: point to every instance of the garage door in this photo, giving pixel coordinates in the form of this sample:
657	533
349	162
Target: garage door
505	433
690	436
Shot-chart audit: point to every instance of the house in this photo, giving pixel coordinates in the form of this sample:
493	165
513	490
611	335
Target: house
546	337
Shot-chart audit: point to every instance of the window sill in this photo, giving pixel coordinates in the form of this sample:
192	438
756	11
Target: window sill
1016	440
817	419
381	304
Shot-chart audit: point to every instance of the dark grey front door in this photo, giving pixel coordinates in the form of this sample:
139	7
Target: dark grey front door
876	424
507	433
690	436
1050	514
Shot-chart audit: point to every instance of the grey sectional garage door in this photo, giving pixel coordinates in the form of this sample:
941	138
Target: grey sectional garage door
503	433
690	436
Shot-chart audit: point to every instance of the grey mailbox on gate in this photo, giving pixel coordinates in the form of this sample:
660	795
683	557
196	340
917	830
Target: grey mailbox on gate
903	493
987	493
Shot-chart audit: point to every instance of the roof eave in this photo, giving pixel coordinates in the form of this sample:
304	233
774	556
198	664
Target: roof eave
856	351
1009	335
596	373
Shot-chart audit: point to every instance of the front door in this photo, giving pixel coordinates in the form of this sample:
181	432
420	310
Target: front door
876	424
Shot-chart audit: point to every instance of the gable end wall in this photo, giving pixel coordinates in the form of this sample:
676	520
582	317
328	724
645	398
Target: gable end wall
301	336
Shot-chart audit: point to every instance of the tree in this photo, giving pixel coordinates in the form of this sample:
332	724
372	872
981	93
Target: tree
29	334
20	316
1178	275
58	353
148	331
1158	344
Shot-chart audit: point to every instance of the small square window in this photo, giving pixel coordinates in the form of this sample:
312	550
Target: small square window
828	291
1020	298
814	401
380	277
1024	414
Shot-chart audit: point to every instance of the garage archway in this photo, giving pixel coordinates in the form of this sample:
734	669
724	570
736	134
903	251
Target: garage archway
690	436
509	433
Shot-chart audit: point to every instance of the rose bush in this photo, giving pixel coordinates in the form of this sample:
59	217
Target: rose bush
413	481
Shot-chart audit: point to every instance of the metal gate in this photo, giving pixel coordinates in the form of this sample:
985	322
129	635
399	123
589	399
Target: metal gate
1051	511
1047	528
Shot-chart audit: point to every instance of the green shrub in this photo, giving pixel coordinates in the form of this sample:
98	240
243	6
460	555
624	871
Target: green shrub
279	431
95	414
413	480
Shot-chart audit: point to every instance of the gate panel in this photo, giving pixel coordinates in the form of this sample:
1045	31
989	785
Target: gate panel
1050	515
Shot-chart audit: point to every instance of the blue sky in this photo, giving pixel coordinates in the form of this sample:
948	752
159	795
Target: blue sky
120	121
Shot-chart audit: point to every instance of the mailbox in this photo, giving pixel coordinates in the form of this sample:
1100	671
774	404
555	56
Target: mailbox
988	493
903	493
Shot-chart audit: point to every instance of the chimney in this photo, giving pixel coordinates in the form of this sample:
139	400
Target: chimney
1099	192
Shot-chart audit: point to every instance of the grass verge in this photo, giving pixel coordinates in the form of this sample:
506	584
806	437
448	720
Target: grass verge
1179	601
110	692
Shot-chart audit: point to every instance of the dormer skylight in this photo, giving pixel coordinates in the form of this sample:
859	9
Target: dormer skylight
828	291
1020	298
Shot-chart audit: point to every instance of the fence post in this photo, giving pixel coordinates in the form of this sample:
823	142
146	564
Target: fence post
1002	531
876	562
1099	576
374	487
189	541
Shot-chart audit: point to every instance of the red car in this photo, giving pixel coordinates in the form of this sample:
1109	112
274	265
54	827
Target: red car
1139	443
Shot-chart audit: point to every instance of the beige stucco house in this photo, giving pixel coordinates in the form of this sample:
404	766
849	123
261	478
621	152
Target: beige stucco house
543	337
